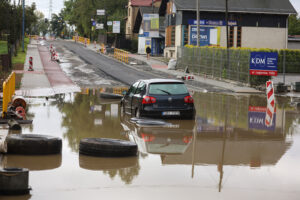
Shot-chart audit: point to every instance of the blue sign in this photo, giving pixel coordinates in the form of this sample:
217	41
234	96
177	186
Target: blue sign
204	36
263	63
94	23
212	22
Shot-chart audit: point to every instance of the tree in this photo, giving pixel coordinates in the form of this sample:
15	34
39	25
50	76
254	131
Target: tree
294	25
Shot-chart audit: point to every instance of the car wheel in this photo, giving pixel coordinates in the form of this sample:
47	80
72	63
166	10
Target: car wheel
31	144
138	113
104	147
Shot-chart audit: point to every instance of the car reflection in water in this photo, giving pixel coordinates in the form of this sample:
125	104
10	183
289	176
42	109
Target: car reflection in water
172	138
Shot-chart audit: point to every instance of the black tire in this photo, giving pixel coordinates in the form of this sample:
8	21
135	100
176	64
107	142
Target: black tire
31	144
104	147
98	163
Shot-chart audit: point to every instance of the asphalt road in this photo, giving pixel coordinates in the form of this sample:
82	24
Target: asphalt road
122	73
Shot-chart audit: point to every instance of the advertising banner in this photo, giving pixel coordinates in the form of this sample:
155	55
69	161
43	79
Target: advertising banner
151	25
209	36
100	12
263	63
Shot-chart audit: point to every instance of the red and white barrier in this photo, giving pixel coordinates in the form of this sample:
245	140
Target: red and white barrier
30	64
271	104
188	78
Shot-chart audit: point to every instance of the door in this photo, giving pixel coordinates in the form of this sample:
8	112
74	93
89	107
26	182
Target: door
128	97
138	97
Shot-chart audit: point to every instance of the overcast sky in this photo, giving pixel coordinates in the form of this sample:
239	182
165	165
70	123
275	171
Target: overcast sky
57	5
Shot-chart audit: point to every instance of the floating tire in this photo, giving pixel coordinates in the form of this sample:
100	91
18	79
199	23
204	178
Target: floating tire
99	164
31	144
103	147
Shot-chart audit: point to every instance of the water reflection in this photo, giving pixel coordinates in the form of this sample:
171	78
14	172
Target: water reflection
126	168
33	163
89	116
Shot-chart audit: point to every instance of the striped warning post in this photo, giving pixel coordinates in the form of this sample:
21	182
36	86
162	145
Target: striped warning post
271	104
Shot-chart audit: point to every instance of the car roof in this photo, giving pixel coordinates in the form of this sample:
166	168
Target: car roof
161	81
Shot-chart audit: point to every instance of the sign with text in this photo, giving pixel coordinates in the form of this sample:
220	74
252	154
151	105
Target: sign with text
263	63
116	26
100	12
151	25
109	23
209	36
99	26
212	22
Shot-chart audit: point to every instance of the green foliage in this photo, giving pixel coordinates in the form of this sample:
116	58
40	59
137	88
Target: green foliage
3	47
21	56
294	25
80	13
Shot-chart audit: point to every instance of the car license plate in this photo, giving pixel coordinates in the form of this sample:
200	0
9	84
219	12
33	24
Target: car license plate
170	113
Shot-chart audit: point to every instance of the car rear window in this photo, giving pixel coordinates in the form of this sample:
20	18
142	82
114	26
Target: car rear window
167	89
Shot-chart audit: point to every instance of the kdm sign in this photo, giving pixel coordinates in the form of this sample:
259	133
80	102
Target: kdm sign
263	63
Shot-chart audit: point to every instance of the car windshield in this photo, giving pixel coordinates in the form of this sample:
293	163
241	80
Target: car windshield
167	89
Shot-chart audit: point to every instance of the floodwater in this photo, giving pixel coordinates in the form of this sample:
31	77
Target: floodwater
227	152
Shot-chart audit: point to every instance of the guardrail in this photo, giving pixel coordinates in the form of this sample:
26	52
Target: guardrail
82	40
9	86
121	55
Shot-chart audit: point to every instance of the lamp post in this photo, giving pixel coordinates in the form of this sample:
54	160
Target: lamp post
23	26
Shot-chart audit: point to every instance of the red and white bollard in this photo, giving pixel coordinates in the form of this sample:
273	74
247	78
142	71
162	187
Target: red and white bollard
85	41
30	64
271	104
95	43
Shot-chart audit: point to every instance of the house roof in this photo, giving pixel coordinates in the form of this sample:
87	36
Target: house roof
249	6
142	2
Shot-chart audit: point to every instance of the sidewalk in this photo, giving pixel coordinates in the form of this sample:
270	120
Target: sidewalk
39	82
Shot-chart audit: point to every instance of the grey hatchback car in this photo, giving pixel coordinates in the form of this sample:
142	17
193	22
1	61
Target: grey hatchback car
158	98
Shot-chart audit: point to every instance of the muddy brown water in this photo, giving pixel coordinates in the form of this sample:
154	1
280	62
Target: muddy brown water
227	152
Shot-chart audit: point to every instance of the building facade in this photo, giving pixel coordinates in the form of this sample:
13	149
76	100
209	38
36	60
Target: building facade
252	24
133	9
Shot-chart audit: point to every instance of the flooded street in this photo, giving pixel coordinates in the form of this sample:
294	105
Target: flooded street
227	152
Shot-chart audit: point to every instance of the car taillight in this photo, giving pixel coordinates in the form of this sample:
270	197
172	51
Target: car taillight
149	100
188	99
147	137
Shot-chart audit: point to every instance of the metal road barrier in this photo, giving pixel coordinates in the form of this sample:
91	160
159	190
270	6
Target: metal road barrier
121	55
82	40
9	86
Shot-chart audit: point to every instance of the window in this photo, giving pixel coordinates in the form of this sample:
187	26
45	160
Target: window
231	36
141	88
170	36
132	89
239	37
167	89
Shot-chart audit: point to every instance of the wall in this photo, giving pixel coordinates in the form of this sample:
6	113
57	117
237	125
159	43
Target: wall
294	45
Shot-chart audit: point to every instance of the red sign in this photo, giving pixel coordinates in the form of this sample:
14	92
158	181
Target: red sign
263	73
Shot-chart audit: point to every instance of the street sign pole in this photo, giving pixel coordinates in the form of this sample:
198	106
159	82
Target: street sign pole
23	26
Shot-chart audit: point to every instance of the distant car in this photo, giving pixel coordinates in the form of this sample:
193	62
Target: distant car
158	98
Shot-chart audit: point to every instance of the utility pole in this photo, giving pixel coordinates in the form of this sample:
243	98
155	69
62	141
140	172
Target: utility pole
198	24
152	6
23	26
227	28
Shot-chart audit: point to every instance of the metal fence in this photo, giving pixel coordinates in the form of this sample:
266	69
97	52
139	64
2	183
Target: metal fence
219	63
231	64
